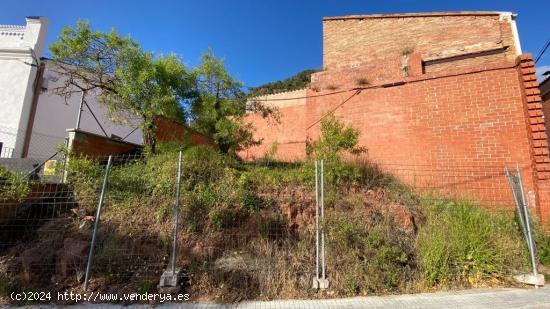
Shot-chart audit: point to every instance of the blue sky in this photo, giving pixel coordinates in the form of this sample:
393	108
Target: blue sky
261	41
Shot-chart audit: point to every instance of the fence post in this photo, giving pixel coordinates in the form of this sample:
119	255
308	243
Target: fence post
176	217
527	223
316	222
169	278
512	181
319	282
96	224
80	108
323	262
65	158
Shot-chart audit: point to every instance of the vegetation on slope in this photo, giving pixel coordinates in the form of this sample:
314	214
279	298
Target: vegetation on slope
248	229
298	81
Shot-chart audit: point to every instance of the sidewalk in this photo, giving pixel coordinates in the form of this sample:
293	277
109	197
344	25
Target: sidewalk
475	298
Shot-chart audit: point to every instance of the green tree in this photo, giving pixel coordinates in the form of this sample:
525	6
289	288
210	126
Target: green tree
335	140
132	83
219	108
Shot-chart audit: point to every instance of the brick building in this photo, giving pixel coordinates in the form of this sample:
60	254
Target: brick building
442	100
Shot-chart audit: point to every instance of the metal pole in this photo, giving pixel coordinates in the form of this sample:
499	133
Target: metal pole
65	157
134	130
316	223
527	224
176	217
96	120
96	224
80	110
323	218
513	183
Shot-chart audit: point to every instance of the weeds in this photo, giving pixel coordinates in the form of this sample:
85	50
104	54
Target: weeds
463	243
247	229
13	186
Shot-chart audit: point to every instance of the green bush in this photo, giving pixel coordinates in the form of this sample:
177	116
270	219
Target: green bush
275	174
464	243
543	249
542	240
227	217
370	259
85	177
13	186
336	140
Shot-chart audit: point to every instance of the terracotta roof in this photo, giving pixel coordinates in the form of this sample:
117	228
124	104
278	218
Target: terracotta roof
428	14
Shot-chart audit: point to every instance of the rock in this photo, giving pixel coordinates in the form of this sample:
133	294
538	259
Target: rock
36	260
86	223
71	257
79	213
404	218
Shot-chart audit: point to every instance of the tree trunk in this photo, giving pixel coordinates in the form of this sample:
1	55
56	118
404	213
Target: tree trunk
149	136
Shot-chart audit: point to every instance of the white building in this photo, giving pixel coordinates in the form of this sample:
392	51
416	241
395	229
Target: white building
20	47
33	120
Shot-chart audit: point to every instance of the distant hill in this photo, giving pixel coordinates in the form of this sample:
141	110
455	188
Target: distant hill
297	81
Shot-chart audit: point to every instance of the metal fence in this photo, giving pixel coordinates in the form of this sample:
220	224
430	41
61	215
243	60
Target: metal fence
40	145
108	224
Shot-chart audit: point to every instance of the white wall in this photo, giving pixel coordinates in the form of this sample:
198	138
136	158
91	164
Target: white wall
18	68
20	50
54	116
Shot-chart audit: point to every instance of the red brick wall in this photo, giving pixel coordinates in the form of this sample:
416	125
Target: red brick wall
355	41
451	132
450	121
545	94
546	112
283	135
170	130
537	128
97	146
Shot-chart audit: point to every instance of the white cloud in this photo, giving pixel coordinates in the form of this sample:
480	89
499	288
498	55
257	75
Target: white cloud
541	70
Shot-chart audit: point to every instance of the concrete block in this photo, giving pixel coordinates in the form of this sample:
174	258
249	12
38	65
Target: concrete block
319	283
537	280
170	278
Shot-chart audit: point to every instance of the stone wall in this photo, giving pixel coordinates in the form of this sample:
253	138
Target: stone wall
356	40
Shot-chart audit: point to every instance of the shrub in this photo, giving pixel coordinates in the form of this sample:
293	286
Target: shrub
203	164
336	139
227	217
464	243
274	174
85	178
272	226
543	248
369	259
13	186
542	241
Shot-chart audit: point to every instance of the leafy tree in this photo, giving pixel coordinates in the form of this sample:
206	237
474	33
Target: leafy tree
132	83
335	140
219	108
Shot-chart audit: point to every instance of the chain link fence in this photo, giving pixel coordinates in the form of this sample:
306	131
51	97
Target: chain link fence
246	230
